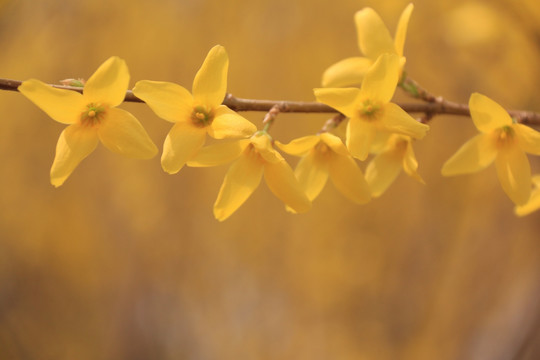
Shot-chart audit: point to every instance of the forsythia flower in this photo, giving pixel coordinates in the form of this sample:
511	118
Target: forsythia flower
194	115
395	154
500	140
254	157
534	201
92	116
369	108
322	156
374	39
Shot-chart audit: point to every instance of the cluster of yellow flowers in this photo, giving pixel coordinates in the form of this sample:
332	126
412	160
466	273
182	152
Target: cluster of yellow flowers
376	126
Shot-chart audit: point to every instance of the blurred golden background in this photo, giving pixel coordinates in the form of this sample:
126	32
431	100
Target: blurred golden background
126	262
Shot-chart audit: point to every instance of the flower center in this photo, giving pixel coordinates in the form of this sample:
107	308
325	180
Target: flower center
201	116
93	114
369	110
505	136
322	151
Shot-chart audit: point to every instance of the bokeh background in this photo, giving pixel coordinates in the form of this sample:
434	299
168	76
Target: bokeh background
126	262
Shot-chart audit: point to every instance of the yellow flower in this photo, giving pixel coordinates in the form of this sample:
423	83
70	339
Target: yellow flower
374	39
369	108
500	140
254	157
395	154
92	116
325	155
534	201
194	115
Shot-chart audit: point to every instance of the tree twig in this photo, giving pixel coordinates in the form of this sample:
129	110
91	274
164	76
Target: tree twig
430	106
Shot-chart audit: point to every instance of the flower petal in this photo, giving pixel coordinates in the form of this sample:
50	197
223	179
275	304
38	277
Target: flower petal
210	84
476	154
382	171
75	143
373	36
281	181
312	174
381	79
410	164
64	106
122	133
169	101
514	173
382	140
108	85
241	180
262	142
534	202
529	139
219	154
335	143
401	30
343	100
486	114
348	179
397	120
530	206
300	146
228	124
347	72
182	143
360	135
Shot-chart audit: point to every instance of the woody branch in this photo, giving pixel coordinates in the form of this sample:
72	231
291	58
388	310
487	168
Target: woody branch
429	107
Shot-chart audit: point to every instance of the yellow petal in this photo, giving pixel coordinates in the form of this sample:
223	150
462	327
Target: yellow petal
373	37
534	202
347	72
486	114
529	139
343	100
219	154
64	106
182	143
474	155
382	171
401	30
397	120
381	79
169	101
282	182
300	146
75	143
312	174
122	133
108	85
228	124
210	84
530	206
334	143
382	141
263	144
410	164
514	174
360	135
348	179
241	180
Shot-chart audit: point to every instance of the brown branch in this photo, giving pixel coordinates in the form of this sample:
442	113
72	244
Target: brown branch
430	106
436	105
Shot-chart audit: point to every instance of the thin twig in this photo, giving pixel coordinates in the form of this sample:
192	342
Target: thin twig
332	123
270	117
430	106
